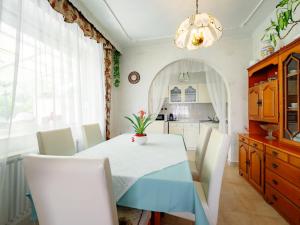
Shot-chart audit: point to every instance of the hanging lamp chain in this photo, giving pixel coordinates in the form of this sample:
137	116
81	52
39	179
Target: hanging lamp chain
197	7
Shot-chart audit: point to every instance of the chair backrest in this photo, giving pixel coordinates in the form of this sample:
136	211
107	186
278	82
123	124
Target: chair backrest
91	134
205	131
56	142
156	127
71	190
212	172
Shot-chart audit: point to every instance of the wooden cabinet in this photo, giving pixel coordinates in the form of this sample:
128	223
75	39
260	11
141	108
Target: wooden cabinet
254	102
263	102
251	162
273	169
243	159
269	101
256	168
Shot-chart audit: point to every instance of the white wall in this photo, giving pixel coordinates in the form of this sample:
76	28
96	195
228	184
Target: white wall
229	57
259	32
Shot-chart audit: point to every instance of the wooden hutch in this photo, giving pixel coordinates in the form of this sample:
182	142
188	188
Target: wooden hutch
273	167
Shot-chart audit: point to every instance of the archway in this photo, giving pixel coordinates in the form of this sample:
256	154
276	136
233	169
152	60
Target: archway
190	73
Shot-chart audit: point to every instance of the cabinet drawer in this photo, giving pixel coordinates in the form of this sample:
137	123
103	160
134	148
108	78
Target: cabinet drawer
288	210
295	161
243	139
284	187
277	154
290	173
256	145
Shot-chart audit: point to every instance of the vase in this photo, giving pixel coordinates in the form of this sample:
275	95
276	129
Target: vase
267	49
140	139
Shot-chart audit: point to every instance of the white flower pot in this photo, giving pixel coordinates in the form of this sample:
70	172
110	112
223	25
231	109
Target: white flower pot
141	140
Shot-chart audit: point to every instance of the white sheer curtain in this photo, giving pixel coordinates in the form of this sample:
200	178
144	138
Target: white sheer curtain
50	76
218	96
215	85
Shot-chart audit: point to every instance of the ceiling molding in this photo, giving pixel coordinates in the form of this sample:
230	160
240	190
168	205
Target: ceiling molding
252	13
243	24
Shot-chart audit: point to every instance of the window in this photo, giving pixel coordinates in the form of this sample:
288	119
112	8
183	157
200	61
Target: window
50	74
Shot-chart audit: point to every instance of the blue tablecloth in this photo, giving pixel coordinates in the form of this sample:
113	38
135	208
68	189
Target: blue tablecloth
168	190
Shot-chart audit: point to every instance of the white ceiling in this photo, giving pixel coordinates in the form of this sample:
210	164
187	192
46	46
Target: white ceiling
132	21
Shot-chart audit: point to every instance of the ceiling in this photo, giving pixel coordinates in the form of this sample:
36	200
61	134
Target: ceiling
134	21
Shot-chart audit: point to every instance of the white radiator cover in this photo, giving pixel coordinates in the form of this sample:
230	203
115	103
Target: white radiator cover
15	206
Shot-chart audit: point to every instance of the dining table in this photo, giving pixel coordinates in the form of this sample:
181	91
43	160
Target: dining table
154	176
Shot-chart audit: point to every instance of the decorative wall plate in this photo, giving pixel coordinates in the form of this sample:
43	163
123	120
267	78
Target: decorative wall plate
134	77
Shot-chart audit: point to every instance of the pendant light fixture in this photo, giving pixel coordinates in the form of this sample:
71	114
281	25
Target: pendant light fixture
199	30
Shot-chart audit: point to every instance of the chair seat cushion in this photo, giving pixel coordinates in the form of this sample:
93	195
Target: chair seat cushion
194	171
130	216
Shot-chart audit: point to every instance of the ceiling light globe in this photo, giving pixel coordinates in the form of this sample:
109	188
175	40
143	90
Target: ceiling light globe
200	30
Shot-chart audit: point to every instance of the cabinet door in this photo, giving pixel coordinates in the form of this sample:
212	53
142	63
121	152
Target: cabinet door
190	93
191	135
243	159
203	95
175	128
256	173
254	100
175	94
269	97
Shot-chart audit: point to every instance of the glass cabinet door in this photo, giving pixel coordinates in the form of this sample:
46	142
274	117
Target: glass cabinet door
190	94
175	94
291	97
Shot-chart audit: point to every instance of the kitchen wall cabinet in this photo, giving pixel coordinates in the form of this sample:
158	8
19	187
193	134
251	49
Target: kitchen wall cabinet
203	95
189	132
263	102
189	93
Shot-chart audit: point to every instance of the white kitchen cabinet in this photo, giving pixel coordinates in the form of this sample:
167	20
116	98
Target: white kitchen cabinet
189	93
189	132
176	94
203	95
191	135
176	128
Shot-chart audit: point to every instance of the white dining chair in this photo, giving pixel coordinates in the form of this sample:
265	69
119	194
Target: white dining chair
76	191
209	187
196	164
56	142
156	127
91	134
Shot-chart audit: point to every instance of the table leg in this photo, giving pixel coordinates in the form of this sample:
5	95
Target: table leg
156	218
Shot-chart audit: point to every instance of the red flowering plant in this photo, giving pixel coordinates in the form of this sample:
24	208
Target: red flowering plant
140	122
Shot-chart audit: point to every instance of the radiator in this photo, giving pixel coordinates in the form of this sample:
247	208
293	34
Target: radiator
15	206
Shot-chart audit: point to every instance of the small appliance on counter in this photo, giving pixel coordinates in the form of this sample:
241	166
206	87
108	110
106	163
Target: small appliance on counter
160	117
171	117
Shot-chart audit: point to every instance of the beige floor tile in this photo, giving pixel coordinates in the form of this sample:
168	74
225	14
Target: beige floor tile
240	204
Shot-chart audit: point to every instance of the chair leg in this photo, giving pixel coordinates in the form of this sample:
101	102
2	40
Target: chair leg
156	218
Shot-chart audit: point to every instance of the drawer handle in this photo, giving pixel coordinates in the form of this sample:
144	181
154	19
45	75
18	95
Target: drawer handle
274	165
255	145
274	198
274	182
275	153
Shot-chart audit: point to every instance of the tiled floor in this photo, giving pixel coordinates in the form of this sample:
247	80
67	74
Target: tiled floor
240	204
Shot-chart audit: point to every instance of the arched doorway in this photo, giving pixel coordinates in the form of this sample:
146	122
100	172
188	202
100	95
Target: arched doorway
190	90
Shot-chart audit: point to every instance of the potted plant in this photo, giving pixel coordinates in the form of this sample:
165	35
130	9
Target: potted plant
284	22
140	122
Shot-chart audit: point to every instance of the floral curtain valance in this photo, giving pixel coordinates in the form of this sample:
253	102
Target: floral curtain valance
72	15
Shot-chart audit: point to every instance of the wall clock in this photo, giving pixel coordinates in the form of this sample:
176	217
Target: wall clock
134	77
